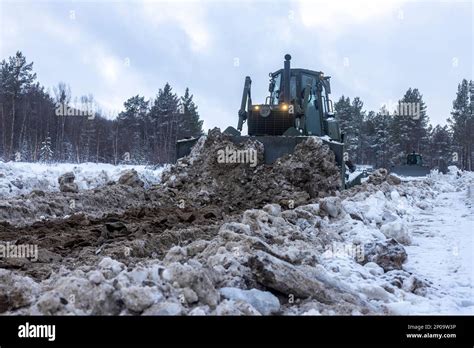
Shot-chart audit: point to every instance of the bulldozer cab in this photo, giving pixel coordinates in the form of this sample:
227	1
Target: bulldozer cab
300	80
298	104
414	159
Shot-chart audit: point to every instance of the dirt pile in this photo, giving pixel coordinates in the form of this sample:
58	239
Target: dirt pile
217	237
40	205
266	263
206	178
269	261
67	184
131	178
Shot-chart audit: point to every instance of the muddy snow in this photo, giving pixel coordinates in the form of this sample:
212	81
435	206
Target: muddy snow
18	178
212	238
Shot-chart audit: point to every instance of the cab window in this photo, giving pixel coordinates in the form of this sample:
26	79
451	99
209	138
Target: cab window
293	88
276	90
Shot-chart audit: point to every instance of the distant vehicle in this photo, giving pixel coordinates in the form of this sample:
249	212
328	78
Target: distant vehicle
413	166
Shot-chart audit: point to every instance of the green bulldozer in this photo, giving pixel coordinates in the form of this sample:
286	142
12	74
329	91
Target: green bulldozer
297	107
412	166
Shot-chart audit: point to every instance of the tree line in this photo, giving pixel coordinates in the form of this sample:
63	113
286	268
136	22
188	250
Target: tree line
37	125
385	137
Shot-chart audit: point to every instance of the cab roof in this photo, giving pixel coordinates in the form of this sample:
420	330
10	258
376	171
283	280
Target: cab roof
299	71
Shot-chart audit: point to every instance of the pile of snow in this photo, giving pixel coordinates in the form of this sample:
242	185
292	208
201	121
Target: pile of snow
432	218
386	248
21	177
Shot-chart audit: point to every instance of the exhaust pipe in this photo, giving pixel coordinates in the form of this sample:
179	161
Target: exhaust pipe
286	79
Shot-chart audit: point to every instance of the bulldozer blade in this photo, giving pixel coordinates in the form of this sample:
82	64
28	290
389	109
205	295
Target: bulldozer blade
357	180
411	170
184	146
275	147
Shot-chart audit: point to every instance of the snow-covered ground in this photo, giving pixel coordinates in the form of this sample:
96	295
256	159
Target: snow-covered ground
397	248
433	217
21	177
443	247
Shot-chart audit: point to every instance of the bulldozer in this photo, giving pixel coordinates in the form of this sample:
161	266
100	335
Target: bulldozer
297	107
412	166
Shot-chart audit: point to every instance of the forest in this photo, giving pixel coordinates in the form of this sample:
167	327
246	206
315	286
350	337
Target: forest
37	125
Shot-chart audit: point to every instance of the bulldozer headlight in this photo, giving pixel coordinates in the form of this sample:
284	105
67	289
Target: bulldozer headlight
284	107
256	107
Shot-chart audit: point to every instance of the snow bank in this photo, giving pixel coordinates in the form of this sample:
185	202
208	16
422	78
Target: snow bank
384	248
21	177
433	218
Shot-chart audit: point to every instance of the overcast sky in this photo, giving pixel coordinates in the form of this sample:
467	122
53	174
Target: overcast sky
373	49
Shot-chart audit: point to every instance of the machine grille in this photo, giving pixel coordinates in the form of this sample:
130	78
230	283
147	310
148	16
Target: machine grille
275	124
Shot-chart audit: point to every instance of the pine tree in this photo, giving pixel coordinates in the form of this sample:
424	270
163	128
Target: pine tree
25	153
367	138
164	122
351	121
189	123
409	129
381	141
343	114
68	152
16	78
62	95
87	139
358	136
440	146
462	123
46	152
133	123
